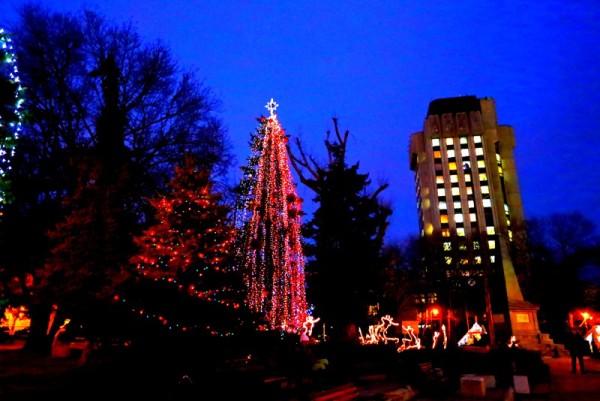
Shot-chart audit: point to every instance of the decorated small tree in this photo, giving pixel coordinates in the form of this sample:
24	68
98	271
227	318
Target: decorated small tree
11	111
273	260
190	246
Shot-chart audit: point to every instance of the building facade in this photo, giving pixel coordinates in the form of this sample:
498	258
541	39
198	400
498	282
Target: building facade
470	210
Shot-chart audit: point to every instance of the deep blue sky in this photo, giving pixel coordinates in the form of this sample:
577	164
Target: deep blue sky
377	66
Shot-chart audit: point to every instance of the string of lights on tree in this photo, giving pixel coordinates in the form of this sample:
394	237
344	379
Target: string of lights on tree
274	259
173	325
11	111
189	247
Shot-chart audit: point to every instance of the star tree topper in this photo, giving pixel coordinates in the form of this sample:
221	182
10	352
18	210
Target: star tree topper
272	106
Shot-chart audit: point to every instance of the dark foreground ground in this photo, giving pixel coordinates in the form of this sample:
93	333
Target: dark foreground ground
276	369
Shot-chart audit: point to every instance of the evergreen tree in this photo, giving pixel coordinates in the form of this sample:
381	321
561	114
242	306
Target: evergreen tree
190	246
11	111
11	118
85	269
345	270
273	259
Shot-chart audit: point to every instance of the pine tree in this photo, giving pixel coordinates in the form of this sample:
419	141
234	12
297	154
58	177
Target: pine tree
190	246
273	259
345	271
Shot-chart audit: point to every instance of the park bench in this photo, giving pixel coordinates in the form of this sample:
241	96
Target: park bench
344	392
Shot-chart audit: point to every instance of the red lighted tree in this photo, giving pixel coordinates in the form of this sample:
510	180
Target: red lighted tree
273	262
190	245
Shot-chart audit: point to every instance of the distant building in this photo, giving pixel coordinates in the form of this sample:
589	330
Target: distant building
469	208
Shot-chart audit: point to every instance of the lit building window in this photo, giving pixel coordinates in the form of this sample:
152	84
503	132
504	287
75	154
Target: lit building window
471	204
439	179
457	205
453	178
468	177
458	218
480	164
482	177
452	165
437	154
443	205
463	140
460	232
498	158
477	260
479	151
475	244
445	232
493	258
447	246
492	244
435	142
485	189
469	190
464	152
464	262
506	208
449	141
463	247
510	235
444	218
477	139
490	230
441	192
473	217
500	170
450	153
455	191
487	203
448	260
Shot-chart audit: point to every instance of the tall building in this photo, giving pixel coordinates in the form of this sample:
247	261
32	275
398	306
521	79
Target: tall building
469	207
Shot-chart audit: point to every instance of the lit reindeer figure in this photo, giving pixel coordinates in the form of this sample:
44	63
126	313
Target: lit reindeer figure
370	338
381	330
412	341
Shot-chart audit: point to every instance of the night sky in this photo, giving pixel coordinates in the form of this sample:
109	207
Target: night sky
377	66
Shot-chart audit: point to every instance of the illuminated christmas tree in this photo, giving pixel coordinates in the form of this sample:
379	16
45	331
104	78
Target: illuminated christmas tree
11	112
190	246
273	262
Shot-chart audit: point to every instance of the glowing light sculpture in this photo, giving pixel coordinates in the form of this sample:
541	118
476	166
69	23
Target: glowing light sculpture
410	341
273	262
473	334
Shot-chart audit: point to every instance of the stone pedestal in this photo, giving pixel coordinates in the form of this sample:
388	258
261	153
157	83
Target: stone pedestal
523	318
